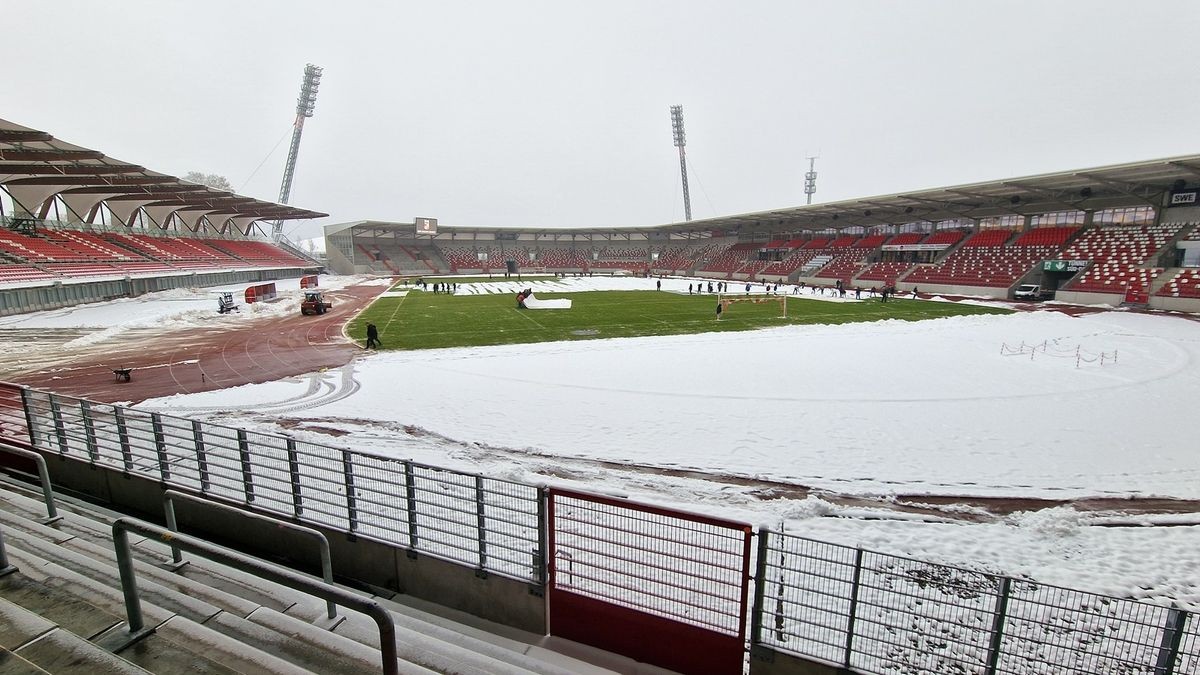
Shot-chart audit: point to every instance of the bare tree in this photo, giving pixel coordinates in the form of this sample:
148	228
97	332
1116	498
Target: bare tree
212	180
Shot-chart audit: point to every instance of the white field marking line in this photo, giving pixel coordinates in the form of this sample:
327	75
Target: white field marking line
523	314
393	316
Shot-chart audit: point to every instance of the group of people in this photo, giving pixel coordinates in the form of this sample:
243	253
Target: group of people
438	286
699	287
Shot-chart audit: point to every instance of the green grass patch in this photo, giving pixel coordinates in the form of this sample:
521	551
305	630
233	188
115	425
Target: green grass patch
425	320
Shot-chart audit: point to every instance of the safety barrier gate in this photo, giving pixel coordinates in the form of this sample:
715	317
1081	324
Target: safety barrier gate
661	586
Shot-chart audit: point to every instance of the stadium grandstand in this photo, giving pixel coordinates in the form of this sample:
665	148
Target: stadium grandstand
1121	234
443	570
78	226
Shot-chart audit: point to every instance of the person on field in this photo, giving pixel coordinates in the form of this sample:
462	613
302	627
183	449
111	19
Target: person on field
373	337
719	310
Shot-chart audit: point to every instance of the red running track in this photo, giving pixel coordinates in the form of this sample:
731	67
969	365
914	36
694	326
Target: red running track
199	359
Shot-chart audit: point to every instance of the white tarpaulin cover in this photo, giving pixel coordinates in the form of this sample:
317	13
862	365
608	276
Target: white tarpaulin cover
532	302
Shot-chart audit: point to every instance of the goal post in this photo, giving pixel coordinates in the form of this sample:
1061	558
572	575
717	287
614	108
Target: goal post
724	301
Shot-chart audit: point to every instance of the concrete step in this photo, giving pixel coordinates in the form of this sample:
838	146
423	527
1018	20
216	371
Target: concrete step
61	652
29	635
11	664
240	640
205	593
443	645
554	652
86	602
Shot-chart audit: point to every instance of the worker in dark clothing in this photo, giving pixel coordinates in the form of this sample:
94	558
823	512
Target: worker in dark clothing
373	337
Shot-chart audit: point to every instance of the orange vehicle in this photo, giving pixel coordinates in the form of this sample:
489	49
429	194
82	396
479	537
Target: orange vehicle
314	303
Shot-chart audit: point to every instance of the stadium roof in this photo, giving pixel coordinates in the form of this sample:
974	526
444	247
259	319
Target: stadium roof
1117	186
35	167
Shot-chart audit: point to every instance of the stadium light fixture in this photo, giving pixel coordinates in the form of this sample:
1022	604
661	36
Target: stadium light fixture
680	138
305	105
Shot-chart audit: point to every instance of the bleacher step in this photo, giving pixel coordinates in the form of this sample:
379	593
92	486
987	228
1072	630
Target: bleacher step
263	628
87	604
64	653
224	600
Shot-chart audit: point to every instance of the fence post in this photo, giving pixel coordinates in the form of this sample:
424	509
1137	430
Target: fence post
854	586
410	490
160	446
998	617
351	497
201	457
294	473
89	431
123	439
541	558
1168	647
27	404
5	567
60	429
480	527
760	587
247	475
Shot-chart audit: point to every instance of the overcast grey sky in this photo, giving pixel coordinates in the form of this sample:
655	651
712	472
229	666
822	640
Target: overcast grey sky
555	114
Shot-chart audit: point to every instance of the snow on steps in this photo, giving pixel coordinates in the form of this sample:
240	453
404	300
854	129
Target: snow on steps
257	612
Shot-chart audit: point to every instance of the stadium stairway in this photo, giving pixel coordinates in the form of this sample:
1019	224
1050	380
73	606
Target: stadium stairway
63	611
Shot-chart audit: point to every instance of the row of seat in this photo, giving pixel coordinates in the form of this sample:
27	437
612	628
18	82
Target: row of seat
992	266
1185	284
1118	254
989	258
55	254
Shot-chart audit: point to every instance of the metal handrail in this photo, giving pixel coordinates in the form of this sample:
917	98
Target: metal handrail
5	568
243	563
169	497
43	475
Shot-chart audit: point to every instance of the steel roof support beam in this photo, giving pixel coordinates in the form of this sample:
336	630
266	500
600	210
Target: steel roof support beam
1128	189
46	155
68	169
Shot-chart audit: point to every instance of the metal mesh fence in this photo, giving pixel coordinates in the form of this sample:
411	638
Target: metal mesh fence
1065	630
867	611
877	613
477	521
12	413
663	563
1189	647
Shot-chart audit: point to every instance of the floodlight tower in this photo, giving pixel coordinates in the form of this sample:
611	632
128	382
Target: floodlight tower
680	142
810	180
304	108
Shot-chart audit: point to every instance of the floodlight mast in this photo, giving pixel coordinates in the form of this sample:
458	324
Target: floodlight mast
810	180
304	109
680	142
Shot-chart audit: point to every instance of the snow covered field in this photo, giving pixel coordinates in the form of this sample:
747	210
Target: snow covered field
790	426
